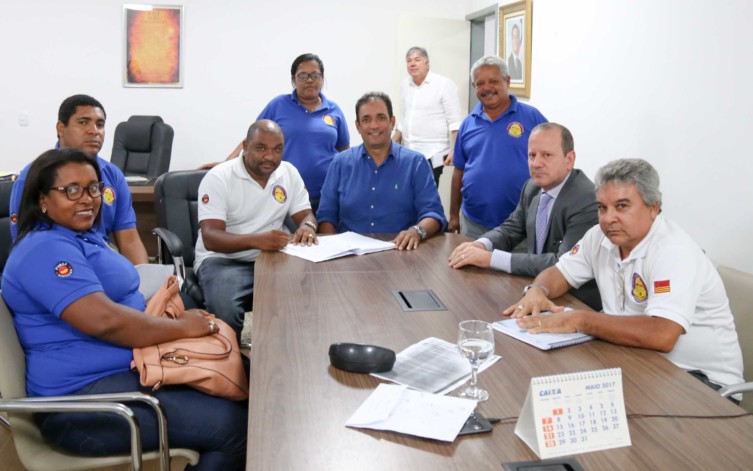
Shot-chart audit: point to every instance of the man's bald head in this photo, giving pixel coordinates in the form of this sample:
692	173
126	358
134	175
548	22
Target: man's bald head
266	126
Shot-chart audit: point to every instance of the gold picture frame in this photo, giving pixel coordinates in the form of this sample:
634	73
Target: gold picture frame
515	21
153	46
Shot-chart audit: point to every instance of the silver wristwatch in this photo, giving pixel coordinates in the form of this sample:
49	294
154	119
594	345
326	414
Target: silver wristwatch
527	287
421	231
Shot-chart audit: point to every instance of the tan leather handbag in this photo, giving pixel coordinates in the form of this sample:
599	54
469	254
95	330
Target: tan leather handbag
211	364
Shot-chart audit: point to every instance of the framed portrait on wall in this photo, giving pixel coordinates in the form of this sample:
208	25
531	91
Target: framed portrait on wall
515	45
153	46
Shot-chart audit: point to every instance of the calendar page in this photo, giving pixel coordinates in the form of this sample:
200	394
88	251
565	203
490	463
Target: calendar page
574	413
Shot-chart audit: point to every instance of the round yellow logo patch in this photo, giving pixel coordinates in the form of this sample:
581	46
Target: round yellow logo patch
328	119
279	193
108	195
515	129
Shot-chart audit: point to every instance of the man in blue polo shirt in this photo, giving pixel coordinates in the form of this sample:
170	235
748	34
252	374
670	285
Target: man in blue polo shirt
380	186
491	152
81	125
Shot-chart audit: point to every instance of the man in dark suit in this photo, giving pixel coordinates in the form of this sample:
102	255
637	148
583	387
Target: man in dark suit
514	64
556	208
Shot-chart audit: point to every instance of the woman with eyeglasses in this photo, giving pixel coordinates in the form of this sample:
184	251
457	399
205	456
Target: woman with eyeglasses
314	127
78	314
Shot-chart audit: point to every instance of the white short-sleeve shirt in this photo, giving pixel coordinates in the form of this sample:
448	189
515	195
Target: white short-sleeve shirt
228	193
666	275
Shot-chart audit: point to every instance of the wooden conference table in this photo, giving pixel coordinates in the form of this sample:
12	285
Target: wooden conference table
299	403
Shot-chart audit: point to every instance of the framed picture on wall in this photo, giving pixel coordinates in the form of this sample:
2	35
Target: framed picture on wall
153	46
515	45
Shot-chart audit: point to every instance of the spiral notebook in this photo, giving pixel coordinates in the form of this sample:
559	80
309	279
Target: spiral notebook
574	413
543	341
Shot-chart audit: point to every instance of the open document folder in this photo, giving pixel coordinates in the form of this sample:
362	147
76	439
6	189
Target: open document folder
397	408
340	245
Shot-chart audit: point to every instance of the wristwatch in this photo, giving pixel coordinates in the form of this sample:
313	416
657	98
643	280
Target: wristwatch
527	287
311	225
421	231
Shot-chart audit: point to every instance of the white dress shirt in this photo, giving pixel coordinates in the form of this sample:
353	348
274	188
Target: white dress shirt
431	111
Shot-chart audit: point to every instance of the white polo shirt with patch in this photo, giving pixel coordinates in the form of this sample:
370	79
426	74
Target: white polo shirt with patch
666	275
228	193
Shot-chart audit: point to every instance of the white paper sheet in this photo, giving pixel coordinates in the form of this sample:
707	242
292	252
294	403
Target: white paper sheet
433	365
397	408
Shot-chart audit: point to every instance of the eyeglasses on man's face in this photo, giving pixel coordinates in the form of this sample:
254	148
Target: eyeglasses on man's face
303	76
74	191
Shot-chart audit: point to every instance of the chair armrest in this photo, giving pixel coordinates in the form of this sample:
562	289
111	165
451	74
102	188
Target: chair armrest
38	405
736	388
171	241
153	402
175	247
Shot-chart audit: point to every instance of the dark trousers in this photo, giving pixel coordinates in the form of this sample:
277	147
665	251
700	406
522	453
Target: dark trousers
438	173
213	426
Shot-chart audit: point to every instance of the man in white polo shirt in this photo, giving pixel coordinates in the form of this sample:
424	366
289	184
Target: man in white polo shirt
431	112
658	288
242	205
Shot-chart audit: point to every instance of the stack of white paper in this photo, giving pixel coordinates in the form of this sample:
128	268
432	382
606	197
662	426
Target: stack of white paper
340	245
432	365
397	408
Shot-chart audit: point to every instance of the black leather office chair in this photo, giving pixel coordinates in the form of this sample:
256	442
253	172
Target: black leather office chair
176	203
5	243
143	146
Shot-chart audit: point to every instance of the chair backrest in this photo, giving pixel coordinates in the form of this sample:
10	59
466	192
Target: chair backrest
26	435
12	360
176	202
143	146
5	242
739	287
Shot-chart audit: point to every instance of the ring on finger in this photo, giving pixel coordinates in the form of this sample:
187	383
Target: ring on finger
520	306
212	325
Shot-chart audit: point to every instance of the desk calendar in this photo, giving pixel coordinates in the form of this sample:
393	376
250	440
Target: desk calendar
574	413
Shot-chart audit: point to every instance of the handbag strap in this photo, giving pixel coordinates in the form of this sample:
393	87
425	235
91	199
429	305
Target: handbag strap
166	301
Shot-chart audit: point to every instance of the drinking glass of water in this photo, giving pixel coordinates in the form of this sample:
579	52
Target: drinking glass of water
476	343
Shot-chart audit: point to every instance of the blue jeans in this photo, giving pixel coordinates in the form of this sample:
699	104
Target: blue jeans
228	286
213	426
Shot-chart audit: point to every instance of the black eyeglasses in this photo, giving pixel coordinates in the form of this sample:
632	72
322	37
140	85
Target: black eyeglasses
74	191
303	76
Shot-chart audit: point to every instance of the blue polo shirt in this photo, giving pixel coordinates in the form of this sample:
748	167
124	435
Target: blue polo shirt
494	159
311	137
48	270
361	197
117	209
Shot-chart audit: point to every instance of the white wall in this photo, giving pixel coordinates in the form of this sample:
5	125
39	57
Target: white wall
237	57
667	81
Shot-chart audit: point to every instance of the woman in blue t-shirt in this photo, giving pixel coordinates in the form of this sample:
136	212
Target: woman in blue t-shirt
78	314
314	127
